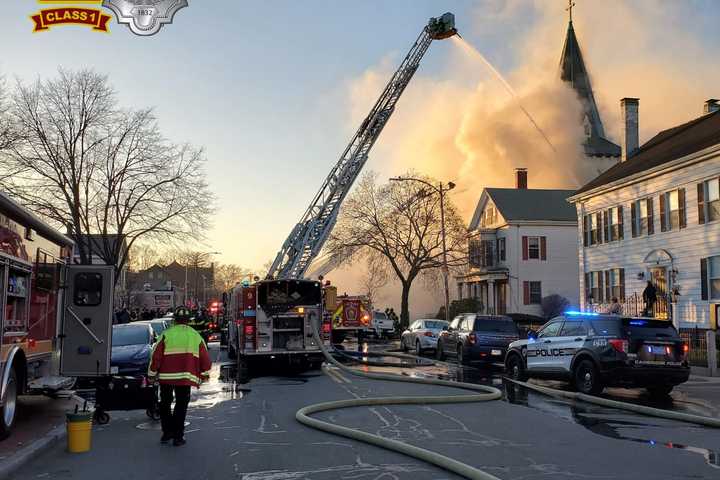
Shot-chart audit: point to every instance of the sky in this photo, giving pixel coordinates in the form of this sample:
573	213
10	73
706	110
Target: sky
273	90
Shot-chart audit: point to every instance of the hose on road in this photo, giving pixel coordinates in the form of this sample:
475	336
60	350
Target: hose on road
486	393
606	402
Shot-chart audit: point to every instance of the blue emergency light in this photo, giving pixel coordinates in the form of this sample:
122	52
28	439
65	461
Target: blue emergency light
582	314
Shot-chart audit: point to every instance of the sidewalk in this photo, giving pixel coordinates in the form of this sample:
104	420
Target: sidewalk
40	421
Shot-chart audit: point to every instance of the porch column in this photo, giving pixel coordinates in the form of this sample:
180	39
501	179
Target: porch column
491	296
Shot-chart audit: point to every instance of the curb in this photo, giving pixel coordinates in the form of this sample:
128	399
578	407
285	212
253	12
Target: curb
19	459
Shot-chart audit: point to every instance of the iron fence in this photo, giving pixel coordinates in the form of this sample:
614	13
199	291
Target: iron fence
697	341
634	306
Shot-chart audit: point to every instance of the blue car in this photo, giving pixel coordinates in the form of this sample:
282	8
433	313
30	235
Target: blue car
131	349
477	337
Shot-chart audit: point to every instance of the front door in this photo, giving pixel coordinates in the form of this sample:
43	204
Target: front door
87	321
500	297
539	350
660	280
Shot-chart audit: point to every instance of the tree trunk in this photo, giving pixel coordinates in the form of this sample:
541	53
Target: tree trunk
404	305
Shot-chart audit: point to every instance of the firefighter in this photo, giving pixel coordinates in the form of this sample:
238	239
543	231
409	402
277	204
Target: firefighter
180	361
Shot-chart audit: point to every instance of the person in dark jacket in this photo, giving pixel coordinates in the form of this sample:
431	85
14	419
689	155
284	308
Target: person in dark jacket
649	297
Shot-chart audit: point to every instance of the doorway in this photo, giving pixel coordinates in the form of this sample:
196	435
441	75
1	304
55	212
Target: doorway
659	278
501	296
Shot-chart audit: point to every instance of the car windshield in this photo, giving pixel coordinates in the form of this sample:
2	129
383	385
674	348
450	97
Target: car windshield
500	326
133	335
158	327
380	316
435	324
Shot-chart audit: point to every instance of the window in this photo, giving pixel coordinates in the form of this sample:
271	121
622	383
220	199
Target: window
615	284
456	322
467	323
614	224
594	287
550	330
87	289
641	212
501	249
460	291
573	329
714	277
672	210
488	217
708	200
594	240
47	272
534	248
532	293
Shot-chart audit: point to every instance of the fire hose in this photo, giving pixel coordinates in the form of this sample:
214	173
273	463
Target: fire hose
485	394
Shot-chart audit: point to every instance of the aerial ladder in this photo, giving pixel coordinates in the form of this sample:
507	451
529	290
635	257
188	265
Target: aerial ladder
309	235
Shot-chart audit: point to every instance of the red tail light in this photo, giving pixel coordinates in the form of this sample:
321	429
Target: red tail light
428	334
619	345
326	327
472	338
249	330
685	349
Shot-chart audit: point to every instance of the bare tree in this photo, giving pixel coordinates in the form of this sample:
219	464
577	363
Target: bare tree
375	276
399	222
227	275
143	256
82	161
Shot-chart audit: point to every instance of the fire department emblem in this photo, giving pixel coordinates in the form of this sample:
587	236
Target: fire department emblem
145	17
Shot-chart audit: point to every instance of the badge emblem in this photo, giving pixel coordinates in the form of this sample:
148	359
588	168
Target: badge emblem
145	17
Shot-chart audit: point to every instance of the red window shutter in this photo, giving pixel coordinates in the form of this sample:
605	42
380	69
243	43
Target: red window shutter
701	202
621	223
651	216
681	206
525	248
633	219
526	293
543	248
663	220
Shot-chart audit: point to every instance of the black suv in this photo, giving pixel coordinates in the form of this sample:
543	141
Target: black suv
597	350
477	337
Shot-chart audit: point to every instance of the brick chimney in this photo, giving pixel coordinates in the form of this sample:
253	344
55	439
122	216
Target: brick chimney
521	178
711	105
630	140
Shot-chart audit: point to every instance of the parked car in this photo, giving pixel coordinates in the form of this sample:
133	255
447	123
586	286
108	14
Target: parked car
594	350
422	335
477	337
383	326
159	325
131	348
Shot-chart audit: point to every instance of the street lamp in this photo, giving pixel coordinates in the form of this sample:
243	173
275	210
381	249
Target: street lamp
197	261
441	189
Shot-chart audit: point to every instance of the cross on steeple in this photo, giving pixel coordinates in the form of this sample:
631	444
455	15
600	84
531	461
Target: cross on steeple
571	4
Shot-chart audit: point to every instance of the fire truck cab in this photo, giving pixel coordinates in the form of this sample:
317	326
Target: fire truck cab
271	321
55	318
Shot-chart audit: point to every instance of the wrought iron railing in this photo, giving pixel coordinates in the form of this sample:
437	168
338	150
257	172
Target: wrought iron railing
634	306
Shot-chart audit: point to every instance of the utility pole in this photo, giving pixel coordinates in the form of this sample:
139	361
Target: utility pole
442	189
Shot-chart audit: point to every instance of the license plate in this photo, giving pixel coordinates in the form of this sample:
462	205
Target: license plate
114	370
658	350
496	352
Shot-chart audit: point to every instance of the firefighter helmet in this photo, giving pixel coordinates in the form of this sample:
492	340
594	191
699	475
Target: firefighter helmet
182	313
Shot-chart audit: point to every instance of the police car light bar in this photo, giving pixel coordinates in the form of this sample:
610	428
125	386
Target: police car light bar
586	314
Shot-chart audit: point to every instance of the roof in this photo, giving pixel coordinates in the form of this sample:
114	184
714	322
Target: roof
13	210
573	71
516	204
666	146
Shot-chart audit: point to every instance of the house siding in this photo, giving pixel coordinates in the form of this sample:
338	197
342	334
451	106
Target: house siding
686	246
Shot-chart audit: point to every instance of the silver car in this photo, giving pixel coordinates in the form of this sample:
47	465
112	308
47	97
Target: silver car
422	335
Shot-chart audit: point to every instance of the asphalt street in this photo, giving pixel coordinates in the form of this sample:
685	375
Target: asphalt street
248	432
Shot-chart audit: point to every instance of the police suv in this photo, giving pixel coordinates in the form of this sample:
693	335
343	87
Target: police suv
594	350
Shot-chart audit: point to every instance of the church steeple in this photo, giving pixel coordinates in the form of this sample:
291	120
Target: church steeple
573	71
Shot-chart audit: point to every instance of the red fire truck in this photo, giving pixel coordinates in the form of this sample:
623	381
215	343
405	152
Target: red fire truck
271	320
55	318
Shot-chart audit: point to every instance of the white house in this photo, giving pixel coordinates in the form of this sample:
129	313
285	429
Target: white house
655	216
522	248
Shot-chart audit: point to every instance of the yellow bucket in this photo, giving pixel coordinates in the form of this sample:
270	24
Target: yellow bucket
79	429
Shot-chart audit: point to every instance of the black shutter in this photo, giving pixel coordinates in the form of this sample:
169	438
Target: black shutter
651	216
601	287
586	230
588	291
622	284
608	287
663	214
621	223
703	279
633	219
606	226
681	206
701	202
600	226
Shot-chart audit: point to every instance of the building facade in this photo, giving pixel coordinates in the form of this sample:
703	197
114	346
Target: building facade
521	249
655	217
192	283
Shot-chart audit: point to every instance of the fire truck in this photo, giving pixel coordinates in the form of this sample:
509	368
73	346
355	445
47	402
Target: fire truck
55	318
272	320
347	313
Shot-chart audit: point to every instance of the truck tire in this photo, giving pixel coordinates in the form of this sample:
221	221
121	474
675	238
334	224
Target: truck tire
243	370
9	408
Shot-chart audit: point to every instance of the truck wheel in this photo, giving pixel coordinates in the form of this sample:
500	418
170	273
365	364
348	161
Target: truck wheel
9	408
515	368
586	378
232	351
243	370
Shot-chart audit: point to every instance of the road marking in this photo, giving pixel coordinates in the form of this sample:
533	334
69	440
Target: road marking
333	373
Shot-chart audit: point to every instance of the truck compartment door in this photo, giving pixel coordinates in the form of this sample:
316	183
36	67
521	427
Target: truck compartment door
86	334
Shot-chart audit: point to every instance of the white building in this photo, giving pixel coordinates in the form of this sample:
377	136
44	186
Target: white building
522	248
656	216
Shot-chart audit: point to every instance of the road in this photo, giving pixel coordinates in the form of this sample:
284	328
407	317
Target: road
248	432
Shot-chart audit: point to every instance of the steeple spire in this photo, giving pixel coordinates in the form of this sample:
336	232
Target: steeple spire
571	4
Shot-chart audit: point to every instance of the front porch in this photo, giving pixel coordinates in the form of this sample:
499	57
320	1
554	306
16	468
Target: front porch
490	289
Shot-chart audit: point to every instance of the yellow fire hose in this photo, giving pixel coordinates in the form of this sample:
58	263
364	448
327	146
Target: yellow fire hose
434	458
